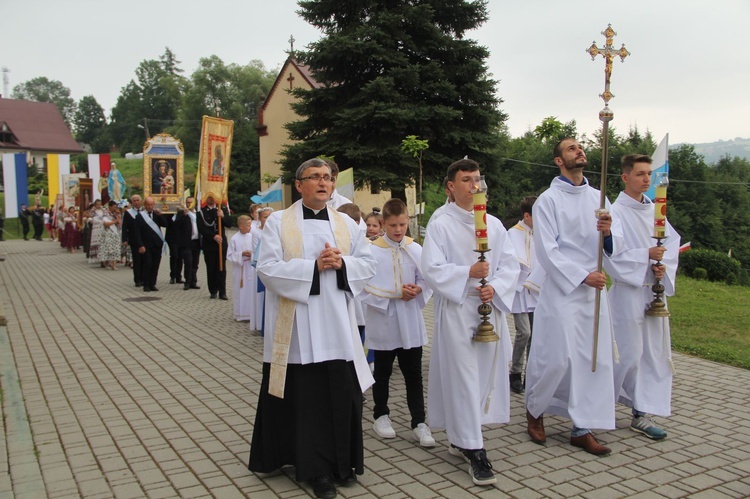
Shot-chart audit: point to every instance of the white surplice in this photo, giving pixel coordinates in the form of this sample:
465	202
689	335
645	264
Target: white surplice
643	377
521	236
392	322
257	297
559	379
322	328
243	277
468	380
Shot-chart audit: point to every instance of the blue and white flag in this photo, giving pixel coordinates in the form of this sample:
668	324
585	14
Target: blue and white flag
273	194
660	163
15	182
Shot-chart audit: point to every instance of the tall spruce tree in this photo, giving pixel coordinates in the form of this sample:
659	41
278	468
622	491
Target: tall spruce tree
388	69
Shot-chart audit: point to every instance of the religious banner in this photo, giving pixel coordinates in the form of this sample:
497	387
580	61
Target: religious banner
71	188
57	165
213	162
163	172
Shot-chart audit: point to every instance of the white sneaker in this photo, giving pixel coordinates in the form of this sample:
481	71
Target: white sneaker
424	435
383	428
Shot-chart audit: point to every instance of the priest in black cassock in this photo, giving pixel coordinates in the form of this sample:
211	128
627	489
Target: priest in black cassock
313	261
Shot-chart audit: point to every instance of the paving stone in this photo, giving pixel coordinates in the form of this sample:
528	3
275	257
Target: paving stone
160	400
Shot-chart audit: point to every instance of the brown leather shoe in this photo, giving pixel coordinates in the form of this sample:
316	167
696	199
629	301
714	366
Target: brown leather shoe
535	428
590	444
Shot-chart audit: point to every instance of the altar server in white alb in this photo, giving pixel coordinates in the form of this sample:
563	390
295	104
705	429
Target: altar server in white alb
395	297
527	291
643	377
468	380
313	261
258	293
240	253
559	377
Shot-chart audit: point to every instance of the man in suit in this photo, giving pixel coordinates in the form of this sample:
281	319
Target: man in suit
175	261
128	237
23	216
188	242
150	242
208	220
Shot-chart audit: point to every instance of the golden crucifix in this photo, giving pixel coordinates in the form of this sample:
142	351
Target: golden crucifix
608	52
605	116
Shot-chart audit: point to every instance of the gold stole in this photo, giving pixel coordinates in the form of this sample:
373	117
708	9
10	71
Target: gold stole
291	245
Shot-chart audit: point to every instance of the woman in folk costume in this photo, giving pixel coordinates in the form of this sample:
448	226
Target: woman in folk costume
96	218
110	249
70	237
240	253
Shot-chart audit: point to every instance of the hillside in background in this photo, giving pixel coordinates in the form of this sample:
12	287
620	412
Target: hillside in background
713	151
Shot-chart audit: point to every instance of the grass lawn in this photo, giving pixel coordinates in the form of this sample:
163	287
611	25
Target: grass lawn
712	321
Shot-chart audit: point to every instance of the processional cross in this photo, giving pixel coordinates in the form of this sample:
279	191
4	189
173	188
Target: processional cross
608	53
605	116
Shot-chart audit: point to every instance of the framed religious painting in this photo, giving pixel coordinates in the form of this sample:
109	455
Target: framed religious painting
163	172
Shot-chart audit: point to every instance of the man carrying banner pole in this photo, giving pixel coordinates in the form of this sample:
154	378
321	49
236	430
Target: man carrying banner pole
211	190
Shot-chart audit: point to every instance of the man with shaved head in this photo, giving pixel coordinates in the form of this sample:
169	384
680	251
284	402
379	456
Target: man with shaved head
149	242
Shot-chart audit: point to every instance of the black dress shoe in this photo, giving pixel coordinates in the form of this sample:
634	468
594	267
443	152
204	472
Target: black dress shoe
213	296
153	288
146	289
347	480
323	487
172	280
138	284
179	281
186	287
194	286
223	297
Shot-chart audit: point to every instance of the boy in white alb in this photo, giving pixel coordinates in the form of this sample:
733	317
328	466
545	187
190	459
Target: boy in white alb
240	253
643	377
468	382
527	292
395	297
258	290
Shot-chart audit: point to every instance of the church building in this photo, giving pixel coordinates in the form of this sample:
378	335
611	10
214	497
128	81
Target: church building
275	112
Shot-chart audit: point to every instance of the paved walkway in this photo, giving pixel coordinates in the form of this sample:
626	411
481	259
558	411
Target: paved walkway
103	396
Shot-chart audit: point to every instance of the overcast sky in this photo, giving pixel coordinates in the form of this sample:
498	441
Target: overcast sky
688	73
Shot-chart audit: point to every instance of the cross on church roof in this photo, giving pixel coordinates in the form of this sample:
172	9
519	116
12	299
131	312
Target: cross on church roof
291	44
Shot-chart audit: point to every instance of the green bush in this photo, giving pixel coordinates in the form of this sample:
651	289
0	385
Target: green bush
699	273
718	266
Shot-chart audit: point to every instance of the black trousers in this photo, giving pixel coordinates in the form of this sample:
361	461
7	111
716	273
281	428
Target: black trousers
410	363
217	280
190	259
151	262
175	261
137	266
38	229
25	228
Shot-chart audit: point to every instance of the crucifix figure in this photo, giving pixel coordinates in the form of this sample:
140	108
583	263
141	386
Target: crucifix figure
608	52
291	44
290	80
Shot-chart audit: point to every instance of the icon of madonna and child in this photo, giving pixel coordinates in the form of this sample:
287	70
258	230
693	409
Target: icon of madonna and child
163	177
